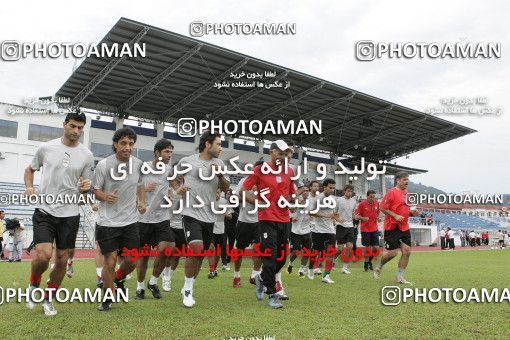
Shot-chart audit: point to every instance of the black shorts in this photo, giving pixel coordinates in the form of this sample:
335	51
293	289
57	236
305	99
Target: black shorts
345	235
502	241
116	238
177	236
370	238
246	234
298	242
153	233
217	239
61	230
289	228
322	242
195	230
274	236
394	238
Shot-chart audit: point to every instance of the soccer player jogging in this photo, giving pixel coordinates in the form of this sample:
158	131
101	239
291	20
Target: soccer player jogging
154	225
230	233
198	223
345	230
312	198
179	240
247	233
396	226
98	257
273	220
368	213
218	234
326	215
300	236
119	188
66	171
299	187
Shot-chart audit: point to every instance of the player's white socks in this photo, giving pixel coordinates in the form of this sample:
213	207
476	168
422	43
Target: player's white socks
278	276
346	266
255	273
70	261
140	285
166	271
237	274
153	280
99	271
188	283
400	273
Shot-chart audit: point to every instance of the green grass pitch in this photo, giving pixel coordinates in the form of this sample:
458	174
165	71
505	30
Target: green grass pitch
350	308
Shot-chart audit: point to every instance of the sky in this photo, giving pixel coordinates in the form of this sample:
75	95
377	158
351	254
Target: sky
323	46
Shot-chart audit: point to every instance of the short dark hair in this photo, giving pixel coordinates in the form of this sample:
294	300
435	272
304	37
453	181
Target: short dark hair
207	136
162	144
257	163
370	192
348	186
77	116
121	133
328	181
311	183
401	174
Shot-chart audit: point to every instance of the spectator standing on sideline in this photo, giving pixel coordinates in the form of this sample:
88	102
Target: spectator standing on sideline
442	235
16	239
462	238
2	215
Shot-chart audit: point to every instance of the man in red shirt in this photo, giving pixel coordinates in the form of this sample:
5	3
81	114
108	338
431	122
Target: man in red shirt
397	209
273	181
368	213
485	238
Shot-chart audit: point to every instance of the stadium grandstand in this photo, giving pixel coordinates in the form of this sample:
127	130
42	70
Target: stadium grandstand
176	79
472	217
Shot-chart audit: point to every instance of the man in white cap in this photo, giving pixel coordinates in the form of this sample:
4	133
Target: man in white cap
273	220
